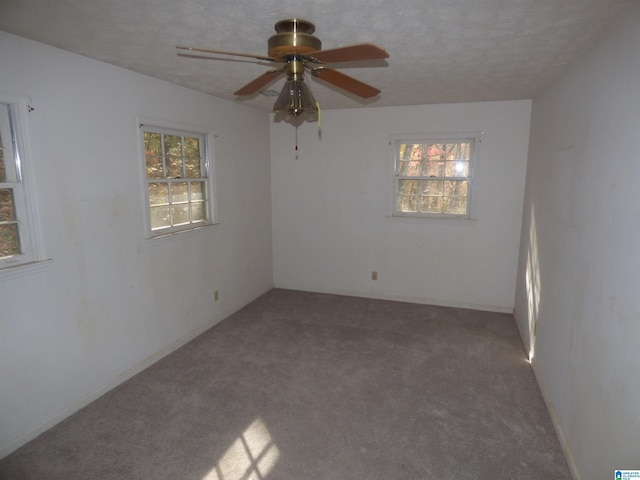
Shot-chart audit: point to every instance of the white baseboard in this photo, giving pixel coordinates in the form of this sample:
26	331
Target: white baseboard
552	411
556	425
28	435
399	298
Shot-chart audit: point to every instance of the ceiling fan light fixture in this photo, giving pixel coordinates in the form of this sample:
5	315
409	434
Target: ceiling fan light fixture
295	99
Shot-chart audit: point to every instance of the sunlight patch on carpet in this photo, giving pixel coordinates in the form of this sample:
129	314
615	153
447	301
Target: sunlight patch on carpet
251	456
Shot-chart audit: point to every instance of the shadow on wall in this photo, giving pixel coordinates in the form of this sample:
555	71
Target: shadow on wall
532	283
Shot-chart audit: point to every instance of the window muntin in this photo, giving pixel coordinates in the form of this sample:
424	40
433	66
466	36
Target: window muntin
178	191
433	178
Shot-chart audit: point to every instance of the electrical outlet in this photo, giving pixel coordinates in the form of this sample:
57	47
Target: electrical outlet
215	296
374	275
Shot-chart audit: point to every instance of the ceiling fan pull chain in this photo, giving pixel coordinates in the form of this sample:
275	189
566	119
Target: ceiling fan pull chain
296	142
319	119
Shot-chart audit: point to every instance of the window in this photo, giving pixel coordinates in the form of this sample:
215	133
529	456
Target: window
17	215
433	177
177	180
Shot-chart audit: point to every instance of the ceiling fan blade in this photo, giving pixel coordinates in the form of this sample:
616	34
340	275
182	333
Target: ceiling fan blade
363	51
262	81
222	52
345	82
200	56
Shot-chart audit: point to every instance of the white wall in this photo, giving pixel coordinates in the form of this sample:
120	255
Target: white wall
331	207
111	302
580	262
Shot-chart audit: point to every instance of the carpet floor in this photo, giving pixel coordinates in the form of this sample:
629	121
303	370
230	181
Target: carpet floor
311	386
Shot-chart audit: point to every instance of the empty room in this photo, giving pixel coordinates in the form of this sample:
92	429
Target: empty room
247	240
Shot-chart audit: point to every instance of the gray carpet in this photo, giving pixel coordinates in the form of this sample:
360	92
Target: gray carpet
310	386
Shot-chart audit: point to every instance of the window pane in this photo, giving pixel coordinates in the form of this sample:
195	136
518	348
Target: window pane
407	203
160	218
192	168
411	151
431	204
7	206
455	188
197	191
433	169
158	194
432	187
463	151
152	144
412	168
450	151
408	187
403	151
191	147
174	167
197	212
9	240
173	145
180	214
455	205
179	192
409	168
436	152
154	167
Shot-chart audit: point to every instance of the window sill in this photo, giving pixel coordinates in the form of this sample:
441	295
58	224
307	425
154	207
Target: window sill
23	269
182	234
415	219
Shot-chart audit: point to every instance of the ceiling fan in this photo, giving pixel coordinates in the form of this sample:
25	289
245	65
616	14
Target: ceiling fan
295	46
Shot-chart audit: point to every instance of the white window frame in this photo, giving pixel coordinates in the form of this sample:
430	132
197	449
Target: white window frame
397	139
207	137
21	181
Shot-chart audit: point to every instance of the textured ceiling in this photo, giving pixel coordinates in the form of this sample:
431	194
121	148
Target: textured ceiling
440	50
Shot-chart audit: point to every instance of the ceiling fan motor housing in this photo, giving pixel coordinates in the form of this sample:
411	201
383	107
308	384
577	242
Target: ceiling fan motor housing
293	37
